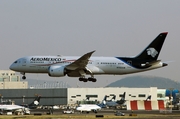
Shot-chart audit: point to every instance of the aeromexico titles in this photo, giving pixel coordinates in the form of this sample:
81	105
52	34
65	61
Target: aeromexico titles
80	66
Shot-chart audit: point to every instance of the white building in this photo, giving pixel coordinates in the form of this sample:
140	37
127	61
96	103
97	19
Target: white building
9	80
97	94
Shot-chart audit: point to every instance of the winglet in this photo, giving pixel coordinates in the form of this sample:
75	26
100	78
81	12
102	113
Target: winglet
90	53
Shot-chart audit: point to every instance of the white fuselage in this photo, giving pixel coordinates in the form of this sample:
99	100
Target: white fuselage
88	108
11	107
97	65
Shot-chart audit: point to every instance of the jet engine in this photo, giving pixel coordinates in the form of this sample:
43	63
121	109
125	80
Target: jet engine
56	71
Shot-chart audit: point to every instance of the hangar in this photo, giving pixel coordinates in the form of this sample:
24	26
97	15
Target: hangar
70	96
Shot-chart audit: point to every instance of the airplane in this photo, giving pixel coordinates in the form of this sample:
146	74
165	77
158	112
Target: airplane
14	108
122	101
91	107
76	66
148	98
34	104
112	103
103	104
88	108
21	108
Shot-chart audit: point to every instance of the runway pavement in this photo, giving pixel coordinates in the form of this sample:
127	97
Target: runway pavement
108	111
104	113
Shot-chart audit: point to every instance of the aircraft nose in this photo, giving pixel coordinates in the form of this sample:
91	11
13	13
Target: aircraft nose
12	66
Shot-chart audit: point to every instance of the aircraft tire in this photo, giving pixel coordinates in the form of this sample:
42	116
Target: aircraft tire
23	77
90	79
85	80
80	79
94	80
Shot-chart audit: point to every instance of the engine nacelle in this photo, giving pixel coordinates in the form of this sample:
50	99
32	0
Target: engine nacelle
56	71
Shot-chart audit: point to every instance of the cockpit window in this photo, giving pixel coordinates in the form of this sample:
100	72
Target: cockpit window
15	62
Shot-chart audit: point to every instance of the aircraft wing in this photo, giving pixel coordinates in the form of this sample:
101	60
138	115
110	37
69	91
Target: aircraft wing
80	63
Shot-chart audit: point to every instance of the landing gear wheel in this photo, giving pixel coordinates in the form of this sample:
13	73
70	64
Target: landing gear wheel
81	79
85	80
92	79
23	77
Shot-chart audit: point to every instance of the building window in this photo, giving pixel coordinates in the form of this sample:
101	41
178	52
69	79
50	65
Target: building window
159	95
121	95
92	96
141	95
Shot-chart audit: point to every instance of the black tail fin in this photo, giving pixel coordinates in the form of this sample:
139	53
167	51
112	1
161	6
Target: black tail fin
105	98
113	98
35	103
152	51
122	101
87	98
148	98
103	103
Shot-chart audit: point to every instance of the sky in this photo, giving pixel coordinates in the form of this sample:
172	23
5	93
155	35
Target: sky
75	27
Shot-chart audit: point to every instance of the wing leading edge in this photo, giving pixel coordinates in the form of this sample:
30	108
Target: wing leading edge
80	63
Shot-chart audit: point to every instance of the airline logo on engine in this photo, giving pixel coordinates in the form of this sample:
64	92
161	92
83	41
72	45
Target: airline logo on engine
45	59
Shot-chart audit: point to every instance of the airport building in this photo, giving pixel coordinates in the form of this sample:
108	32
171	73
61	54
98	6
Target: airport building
9	80
12	88
70	96
97	94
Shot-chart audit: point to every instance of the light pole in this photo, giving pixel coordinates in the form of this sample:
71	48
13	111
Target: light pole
23	98
171	91
1	98
44	84
57	84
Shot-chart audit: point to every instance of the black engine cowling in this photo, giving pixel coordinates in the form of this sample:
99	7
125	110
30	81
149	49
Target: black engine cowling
56	71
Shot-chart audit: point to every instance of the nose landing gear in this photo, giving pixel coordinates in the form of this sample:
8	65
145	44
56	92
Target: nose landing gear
23	77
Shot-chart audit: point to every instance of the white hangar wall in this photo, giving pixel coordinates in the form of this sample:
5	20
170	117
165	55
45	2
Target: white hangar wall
97	94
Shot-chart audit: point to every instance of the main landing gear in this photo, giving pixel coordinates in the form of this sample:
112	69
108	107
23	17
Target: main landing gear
87	79
84	72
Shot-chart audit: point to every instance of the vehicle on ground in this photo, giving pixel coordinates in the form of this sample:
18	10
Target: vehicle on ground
68	111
